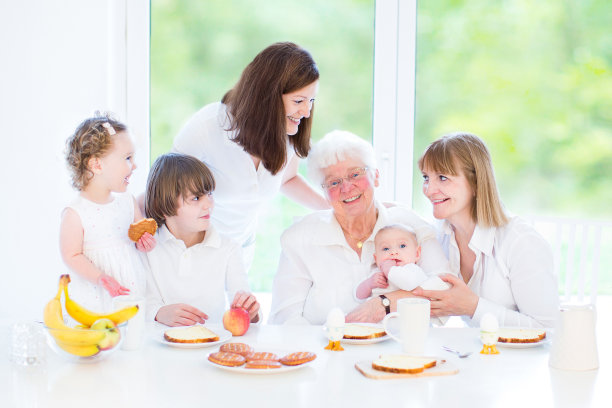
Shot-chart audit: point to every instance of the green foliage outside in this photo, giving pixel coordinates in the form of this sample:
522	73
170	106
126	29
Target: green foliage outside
531	78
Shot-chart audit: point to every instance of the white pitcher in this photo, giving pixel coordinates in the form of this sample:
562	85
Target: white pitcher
574	345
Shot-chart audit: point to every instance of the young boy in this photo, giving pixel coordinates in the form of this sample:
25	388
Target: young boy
396	253
192	268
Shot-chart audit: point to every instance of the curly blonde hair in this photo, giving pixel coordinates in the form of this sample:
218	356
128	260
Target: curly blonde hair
93	138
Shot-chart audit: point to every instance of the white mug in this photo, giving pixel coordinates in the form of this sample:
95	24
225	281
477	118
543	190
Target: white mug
135	330
413	314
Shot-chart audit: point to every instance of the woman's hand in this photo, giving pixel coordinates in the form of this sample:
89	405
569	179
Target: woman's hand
146	242
459	300
248	302
370	311
111	285
180	314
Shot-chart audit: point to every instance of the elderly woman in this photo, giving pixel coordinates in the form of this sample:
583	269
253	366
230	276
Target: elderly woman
327	253
501	265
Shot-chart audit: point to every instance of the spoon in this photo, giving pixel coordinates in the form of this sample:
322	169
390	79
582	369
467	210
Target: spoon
457	352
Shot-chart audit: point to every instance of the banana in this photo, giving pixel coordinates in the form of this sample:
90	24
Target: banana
82	351
87	317
76	341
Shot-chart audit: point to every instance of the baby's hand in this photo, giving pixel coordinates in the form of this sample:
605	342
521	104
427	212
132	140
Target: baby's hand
146	242
112	286
248	302
180	314
379	280
386	266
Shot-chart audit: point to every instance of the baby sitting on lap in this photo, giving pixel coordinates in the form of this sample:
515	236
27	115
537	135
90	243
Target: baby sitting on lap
396	254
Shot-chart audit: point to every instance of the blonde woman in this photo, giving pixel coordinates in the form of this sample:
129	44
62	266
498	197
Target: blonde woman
501	265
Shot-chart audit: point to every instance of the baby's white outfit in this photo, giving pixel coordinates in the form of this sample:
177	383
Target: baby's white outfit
407	277
107	245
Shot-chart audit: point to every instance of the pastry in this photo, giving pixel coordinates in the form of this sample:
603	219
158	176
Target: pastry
262	364
360	332
227	359
298	358
140	227
261	355
238	348
401	363
190	334
507	335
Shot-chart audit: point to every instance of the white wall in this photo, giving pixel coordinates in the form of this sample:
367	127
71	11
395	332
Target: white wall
60	61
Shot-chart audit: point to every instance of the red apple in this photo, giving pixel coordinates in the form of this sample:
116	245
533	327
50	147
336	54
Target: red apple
112	333
237	321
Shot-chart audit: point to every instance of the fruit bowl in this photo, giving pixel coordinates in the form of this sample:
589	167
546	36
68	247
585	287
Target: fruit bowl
89	346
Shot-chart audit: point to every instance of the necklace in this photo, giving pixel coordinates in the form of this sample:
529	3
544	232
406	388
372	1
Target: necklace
359	241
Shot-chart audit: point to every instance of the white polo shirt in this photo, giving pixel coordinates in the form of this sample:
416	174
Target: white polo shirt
206	275
513	273
241	190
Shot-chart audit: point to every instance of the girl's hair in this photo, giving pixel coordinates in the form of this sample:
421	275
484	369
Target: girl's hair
255	104
174	176
93	138
337	146
467	153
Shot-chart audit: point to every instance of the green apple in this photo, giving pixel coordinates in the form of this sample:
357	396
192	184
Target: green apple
113	335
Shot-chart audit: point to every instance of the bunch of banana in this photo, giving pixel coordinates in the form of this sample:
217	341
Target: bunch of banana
77	341
87	317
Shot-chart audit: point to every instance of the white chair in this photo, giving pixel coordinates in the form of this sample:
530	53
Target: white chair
580	247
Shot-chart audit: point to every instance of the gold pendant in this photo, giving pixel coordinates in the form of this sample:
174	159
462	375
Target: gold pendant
359	244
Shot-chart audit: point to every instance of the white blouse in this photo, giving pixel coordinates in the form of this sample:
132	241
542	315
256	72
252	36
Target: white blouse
206	275
318	270
513	273
241	190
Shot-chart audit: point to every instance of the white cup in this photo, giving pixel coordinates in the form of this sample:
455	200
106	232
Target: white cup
133	334
574	345
413	315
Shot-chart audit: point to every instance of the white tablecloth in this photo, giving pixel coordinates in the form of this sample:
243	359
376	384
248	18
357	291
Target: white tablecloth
160	376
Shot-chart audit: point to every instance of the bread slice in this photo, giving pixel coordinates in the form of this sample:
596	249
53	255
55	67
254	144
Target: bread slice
361	332
401	363
508	335
190	334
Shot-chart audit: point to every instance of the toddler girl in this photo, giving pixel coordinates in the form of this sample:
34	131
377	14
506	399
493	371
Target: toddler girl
94	239
193	270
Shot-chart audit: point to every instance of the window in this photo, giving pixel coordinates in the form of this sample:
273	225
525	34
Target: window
199	49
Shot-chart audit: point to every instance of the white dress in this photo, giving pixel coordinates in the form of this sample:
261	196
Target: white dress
107	245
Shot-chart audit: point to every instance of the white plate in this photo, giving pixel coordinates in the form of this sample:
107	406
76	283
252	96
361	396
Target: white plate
263	371
223	334
522	345
364	341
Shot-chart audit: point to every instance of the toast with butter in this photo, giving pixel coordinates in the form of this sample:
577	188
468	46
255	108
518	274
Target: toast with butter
401	363
509	335
361	332
190	334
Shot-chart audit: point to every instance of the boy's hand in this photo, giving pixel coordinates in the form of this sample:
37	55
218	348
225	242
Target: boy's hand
146	242
379	280
248	302
180	314
111	285
386	266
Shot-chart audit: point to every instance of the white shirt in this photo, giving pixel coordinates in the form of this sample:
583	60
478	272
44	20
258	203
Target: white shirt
318	270
407	277
201	275
513	273
241	190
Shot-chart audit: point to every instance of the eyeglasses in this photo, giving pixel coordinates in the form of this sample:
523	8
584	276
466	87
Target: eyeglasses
352	177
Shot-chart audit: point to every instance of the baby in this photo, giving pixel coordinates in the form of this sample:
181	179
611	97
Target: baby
396	254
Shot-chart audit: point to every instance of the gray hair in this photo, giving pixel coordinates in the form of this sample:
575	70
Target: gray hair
334	147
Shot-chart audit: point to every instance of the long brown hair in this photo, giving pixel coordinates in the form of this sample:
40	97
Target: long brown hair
467	153
256	106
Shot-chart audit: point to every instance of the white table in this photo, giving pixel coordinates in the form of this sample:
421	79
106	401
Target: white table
160	376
